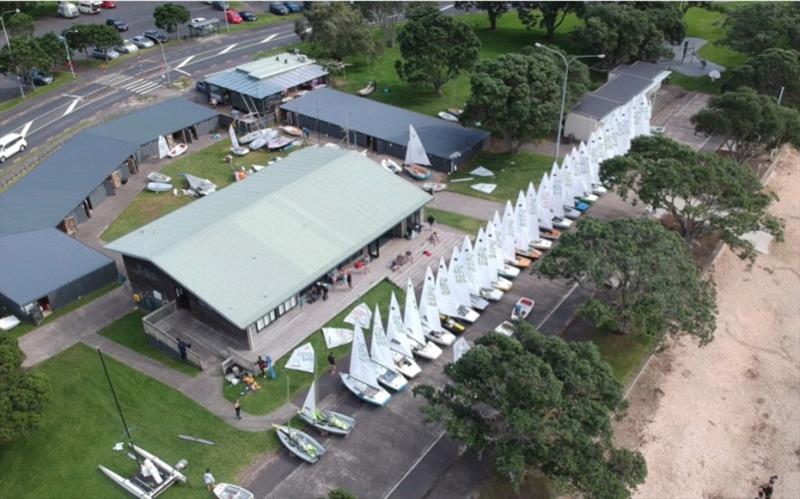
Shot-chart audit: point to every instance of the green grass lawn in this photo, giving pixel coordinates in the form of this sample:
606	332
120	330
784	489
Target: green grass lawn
512	172
59	80
206	163
702	84
81	425
624	353
458	221
129	332
708	24
27	327
273	392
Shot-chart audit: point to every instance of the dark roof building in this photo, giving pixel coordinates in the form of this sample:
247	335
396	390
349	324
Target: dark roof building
384	128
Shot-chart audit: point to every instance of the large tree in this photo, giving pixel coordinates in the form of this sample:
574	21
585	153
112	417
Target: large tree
20	25
538	402
755	27
515	96
748	122
435	48
493	10
546	15
339	30
769	72
704	193
79	37
53	46
24	56
644	278
385	15
169	16
23	394
104	37
625	33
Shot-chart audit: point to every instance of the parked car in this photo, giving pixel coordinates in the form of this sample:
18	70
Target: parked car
68	10
108	4
89	7
127	47
278	8
218	5
233	17
117	23
155	34
40	78
294	6
248	16
197	20
142	42
10	145
104	55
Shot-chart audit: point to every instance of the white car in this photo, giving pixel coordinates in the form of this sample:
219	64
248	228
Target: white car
127	47
142	42
10	145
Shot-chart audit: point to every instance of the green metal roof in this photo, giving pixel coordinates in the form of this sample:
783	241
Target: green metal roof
247	248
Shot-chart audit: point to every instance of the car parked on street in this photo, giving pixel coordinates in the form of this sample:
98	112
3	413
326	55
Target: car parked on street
104	55
278	8
248	16
294	6
117	23
142	42
10	145
40	78
127	47
233	17
156	35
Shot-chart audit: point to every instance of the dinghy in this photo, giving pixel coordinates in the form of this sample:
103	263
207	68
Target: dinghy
448	116
159	177
154	476
412	325
416	158
200	186
562	223
259	142
417	172
279	143
382	358
326	421
179	149
391	166
433	187
506	329
455	111
292	130
552	234
521	262
299	443
366	91
400	345
541	244
362	379
158	187
451	324
236	149
231	491
449	303
429	313
251	136
522	309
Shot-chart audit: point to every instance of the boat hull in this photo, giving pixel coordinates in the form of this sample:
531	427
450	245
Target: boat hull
239	151
502	284
505	328
522	309
443	338
520	262
159	177
325	427
466	314
542	245
478	302
491	294
293	440
371	394
231	491
550	234
389	378
562	223
428	351
406	366
159	187
599	190
508	271
418	172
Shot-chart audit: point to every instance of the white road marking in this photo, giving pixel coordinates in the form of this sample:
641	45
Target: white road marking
72	106
132	86
149	90
25	128
185	62
445	8
183	72
228	49
270	37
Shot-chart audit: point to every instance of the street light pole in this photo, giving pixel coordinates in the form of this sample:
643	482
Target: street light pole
8	43
225	15
166	65
567	62
69	58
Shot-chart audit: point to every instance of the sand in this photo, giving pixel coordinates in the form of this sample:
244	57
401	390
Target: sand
718	421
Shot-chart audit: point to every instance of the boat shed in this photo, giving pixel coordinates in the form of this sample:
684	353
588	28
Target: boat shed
262	85
64	190
382	128
239	260
624	83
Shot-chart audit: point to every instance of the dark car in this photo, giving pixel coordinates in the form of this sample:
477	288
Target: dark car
218	6
156	36
117	23
247	15
40	78
278	8
294	6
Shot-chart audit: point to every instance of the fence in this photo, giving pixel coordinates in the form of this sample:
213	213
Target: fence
163	338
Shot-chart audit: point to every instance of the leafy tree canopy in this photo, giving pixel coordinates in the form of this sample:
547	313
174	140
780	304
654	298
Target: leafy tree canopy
340	493
753	28
80	37
385	15
704	193
645	279
53	46
23	394
538	402
169	16
749	123
24	56
339	30
493	9
104	37
768	72
546	15
435	48
20	26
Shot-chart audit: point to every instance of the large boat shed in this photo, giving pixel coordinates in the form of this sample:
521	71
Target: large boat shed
261	86
383	128
42	268
238	260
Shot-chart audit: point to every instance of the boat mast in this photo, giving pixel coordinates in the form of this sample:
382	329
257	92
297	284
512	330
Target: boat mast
119	408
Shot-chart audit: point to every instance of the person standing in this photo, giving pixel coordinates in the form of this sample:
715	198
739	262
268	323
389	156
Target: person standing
332	362
324	293
208	479
431	221
350	280
182	346
237	406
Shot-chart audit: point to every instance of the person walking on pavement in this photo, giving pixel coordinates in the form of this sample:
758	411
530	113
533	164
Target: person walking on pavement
237	406
332	362
208	479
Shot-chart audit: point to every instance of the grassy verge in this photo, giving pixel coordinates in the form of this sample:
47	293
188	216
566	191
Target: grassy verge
206	163
458	221
81	425
273	392
702	84
512	172
59	80
702	23
27	327
38	10
624	353
129	332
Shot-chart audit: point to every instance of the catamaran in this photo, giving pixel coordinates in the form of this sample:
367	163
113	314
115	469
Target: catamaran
412	327
429	312
392	371
326	421
362	379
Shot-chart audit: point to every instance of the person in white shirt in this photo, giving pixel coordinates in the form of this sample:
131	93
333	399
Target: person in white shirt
208	479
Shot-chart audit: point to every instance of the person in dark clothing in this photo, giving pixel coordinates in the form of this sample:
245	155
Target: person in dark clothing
350	280
431	220
332	362
324	293
238	408
262	366
182	346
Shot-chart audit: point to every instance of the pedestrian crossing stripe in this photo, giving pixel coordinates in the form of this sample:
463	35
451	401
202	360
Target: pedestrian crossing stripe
128	83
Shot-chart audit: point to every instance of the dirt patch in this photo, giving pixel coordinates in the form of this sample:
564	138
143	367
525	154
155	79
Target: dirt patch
718	421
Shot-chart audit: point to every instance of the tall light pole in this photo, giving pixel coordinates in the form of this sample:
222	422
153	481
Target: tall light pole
8	42
567	61
164	57
69	57
225	15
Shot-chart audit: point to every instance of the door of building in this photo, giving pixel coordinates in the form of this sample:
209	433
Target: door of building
181	298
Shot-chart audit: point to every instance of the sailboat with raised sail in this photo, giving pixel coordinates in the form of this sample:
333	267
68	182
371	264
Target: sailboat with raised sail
479	294
362	379
486	244
299	443
508	240
493	230
429	313
391	372
411	325
416	157
522	237
533	221
400	344
324	420
457	284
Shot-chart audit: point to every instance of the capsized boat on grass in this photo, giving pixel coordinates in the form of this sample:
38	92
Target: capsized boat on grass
153	478
362	379
299	443
324	420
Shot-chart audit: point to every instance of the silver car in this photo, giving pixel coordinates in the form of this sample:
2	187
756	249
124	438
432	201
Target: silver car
142	42
104	55
126	47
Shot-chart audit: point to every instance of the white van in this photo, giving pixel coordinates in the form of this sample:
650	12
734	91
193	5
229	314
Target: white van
10	145
89	7
68	10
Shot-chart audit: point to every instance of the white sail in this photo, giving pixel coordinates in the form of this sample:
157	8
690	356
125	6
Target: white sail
470	267
444	292
428	306
395	331
379	348
585	168
411	318
522	239
163	148
533	213
557	198
493	251
234	140
460	347
543	197
459	285
486	273
310	404
361	367
415	152
507	235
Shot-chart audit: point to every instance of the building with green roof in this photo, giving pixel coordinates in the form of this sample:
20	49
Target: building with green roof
239	258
